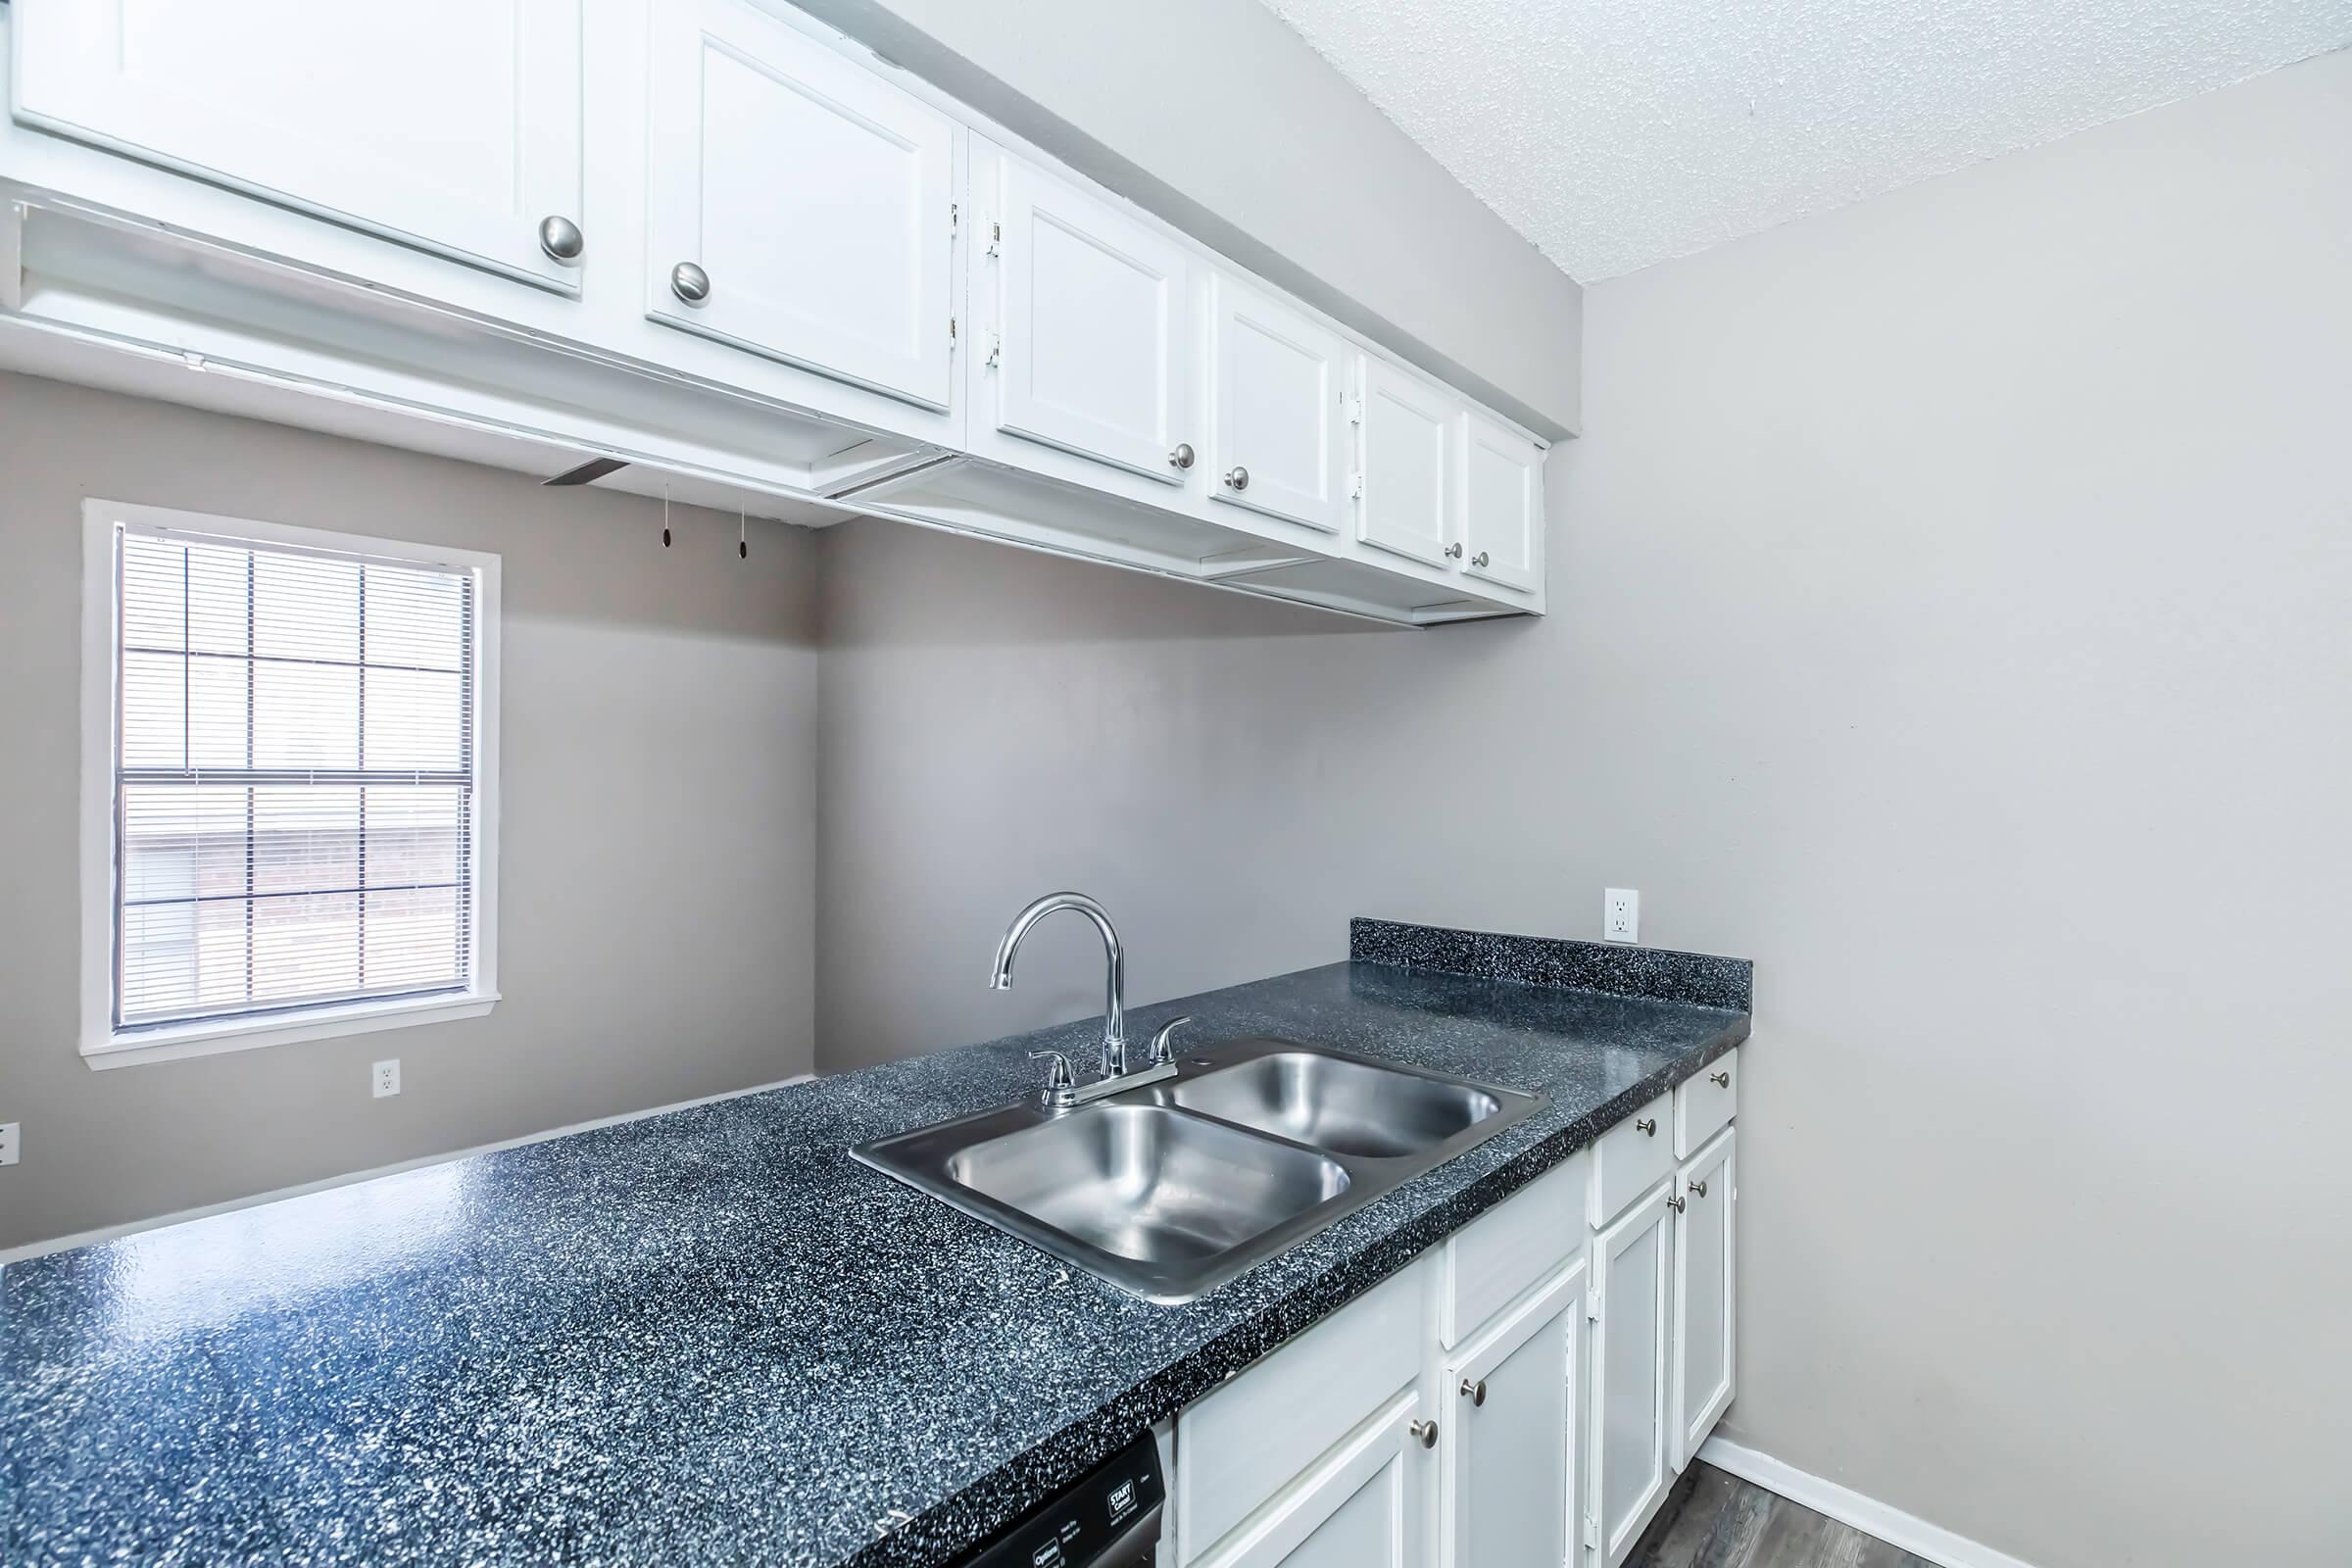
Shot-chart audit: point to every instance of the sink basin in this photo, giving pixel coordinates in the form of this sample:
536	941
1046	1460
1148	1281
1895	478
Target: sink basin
1339	1105
1170	1187
1146	1183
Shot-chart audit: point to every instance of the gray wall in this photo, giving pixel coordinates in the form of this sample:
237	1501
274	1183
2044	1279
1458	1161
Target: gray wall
1224	122
658	820
1950	613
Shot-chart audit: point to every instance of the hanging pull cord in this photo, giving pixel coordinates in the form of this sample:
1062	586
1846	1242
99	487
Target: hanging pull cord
665	516
743	535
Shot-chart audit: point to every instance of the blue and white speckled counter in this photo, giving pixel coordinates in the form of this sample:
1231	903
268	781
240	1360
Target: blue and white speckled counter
710	1335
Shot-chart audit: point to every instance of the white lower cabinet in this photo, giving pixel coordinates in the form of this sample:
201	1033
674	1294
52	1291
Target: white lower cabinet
1705	1340
1521	1397
1630	1279
1509	1451
1362	1508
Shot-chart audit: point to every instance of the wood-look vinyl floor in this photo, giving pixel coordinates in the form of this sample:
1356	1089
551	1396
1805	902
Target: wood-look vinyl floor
1720	1521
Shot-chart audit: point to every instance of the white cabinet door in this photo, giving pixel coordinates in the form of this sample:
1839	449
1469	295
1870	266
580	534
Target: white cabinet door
810	204
1093	340
1631	1277
1407	464
1279	381
451	125
1508	1449
1501	479
1364	1507
1704	1332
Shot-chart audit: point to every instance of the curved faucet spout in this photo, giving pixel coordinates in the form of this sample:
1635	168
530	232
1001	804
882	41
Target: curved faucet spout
1115	989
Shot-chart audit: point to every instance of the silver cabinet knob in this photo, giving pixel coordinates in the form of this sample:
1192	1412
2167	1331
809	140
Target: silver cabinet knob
690	282
1649	1126
1454	552
1475	1392
1479	559
1182	457
1699	1188
1721	1080
561	238
1675	1203
1238	477
1425	1432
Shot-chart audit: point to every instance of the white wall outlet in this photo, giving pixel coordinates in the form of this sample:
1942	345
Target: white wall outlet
386	1080
8	1143
1620	915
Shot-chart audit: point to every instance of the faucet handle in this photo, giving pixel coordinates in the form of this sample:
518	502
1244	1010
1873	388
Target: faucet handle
1062	1088
1163	1043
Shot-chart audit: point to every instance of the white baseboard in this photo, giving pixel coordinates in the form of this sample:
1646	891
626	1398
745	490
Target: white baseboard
1848	1506
17	1254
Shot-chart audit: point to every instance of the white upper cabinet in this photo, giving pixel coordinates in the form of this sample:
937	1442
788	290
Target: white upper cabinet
1093	339
799	206
450	124
1279	384
1501	477
1407	458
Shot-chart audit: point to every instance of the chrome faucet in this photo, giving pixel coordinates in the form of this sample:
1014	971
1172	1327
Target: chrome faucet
1114	988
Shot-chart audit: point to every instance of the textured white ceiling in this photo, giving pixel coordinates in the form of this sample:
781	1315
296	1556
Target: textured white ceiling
1615	133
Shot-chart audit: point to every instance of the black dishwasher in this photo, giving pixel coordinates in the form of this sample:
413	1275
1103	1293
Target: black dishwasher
1108	1520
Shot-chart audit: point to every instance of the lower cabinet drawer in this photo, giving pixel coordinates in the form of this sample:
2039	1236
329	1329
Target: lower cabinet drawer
1704	1105
1632	1157
1499	1256
1245	1439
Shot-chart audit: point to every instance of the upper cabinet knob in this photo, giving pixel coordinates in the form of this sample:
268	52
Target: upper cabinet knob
1238	478
561	238
690	282
1454	552
1182	457
1479	559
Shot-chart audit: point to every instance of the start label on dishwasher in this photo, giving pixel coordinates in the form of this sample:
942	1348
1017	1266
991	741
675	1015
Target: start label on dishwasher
1108	1520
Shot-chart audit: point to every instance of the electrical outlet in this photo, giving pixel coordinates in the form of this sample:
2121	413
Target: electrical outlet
387	1078
1620	915
8	1143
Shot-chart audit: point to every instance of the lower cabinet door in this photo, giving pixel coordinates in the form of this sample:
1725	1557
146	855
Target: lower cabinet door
1363	1507
1632	1279
1703	1332
1509	1449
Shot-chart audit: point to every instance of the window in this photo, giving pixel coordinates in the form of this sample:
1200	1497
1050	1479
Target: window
289	798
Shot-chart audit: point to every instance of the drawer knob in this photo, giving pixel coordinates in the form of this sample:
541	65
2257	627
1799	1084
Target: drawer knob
1479	559
1424	1433
1721	1080
1238	477
1699	1188
1454	552
1475	1392
1182	457
1675	1203
1649	1126
690	282
560	239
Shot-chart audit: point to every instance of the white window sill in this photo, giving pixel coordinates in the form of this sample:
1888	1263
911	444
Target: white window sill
177	1042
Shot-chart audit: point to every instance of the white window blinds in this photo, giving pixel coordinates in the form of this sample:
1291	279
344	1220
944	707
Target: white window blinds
296	799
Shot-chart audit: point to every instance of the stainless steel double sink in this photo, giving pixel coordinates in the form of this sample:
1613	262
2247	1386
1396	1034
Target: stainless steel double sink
1172	1188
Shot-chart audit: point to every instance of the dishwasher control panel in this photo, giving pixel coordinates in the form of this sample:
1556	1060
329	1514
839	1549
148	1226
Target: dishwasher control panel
1108	1520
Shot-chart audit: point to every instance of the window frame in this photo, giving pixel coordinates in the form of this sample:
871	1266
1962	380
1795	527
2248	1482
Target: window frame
101	1044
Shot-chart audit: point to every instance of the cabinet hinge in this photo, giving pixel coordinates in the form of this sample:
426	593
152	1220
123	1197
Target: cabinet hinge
950	331
996	352
1592	1533
1355	411
996	238
954	216
1356	487
1593	1305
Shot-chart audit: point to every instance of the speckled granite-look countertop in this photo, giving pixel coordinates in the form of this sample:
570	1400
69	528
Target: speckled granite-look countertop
710	1335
